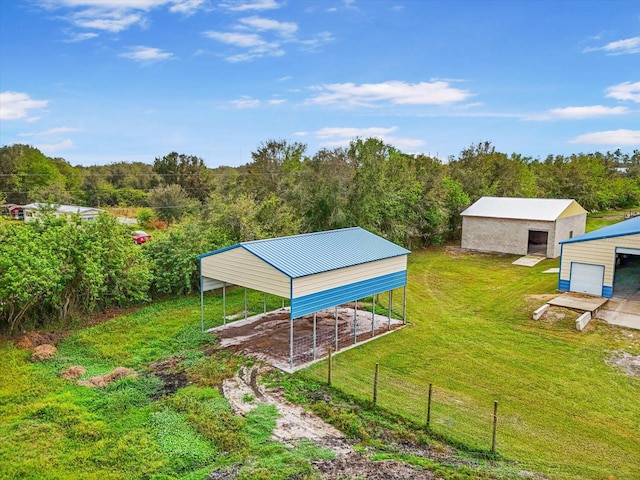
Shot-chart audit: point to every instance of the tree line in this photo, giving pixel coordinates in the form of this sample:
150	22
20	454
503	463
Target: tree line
411	199
56	269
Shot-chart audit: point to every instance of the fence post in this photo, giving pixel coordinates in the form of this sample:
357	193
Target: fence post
429	407
375	384
495	426
330	367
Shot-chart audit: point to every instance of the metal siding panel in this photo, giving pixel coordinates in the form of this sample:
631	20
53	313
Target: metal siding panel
335	296
239	267
345	276
597	252
564	285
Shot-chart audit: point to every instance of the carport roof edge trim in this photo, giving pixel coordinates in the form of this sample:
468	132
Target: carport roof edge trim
620	229
311	253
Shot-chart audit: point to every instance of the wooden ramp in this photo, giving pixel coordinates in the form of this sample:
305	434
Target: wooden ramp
574	301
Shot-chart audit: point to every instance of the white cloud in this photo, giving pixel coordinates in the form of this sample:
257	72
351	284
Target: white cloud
80	37
256	46
625	91
146	55
116	15
316	41
246	102
277	101
55	147
51	131
247	5
186	7
621	47
113	22
16	105
620	137
395	92
264	24
579	113
341	136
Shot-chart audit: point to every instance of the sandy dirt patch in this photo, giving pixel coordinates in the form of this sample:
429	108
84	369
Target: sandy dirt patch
100	381
630	364
245	393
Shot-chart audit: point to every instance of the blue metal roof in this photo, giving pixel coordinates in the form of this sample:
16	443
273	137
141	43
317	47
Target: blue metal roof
627	227
311	253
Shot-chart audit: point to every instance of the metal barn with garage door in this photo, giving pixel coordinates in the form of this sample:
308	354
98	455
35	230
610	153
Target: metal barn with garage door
521	226
604	263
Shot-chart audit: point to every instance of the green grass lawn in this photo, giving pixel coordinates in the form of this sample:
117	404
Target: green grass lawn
562	409
51	428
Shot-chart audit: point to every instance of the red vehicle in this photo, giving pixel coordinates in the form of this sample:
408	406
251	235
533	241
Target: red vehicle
140	237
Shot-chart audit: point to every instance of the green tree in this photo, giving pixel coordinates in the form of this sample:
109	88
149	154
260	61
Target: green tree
273	169
322	191
171	203
173	256
187	171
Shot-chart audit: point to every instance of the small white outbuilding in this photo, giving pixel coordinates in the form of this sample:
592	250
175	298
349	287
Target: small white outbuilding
521	226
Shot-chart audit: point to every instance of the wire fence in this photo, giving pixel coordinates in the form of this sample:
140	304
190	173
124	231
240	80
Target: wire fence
436	408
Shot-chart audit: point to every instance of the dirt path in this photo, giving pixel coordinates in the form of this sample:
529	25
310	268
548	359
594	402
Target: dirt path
245	393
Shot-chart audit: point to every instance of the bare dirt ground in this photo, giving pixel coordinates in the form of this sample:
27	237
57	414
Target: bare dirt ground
266	336
245	393
630	364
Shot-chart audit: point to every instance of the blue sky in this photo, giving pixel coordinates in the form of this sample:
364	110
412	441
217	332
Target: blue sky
103	81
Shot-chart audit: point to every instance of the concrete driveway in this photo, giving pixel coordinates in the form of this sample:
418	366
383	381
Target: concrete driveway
622	312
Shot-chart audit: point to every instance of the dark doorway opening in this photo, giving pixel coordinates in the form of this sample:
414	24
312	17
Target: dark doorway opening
537	242
626	280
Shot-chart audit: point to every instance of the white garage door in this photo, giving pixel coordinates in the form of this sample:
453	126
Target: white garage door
587	278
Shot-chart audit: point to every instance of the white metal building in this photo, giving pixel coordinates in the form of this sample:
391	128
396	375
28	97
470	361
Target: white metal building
521	226
314	271
605	262
33	210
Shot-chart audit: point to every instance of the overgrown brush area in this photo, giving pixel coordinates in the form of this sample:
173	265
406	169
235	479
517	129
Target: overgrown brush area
565	413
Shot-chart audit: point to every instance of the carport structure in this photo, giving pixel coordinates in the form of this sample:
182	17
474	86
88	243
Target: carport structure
315	271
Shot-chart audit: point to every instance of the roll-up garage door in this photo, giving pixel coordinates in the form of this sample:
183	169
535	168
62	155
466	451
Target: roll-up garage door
587	278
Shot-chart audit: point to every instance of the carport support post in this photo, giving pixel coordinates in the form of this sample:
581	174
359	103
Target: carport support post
355	323
290	341
314	335
245	303
264	300
404	306
224	303
373	317
389	310
201	306
335	334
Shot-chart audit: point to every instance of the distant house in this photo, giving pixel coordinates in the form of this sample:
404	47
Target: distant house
33	211
605	262
521	226
13	210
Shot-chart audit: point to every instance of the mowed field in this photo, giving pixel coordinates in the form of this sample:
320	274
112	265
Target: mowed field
563	410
